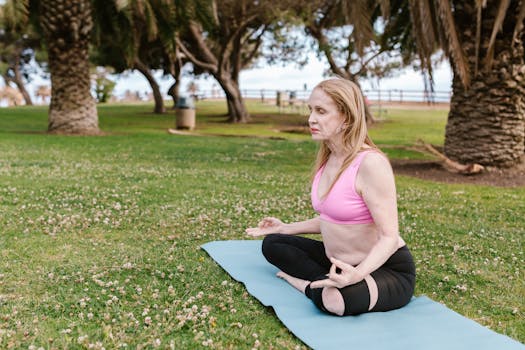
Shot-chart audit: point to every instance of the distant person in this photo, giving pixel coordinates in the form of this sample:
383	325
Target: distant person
362	264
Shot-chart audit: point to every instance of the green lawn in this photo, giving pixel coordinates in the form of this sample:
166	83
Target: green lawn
100	236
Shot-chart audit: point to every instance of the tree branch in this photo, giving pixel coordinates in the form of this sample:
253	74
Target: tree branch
324	47
196	33
449	164
204	65
258	41
498	24
454	48
364	65
230	43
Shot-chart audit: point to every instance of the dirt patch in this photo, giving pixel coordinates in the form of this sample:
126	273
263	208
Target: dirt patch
433	171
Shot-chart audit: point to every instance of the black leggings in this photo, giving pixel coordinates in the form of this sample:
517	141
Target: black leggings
306	259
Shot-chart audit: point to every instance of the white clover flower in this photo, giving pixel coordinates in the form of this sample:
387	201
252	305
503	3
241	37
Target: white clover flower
207	342
82	339
171	290
461	287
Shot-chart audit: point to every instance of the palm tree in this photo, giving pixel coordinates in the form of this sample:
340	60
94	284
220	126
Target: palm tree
484	40
66	26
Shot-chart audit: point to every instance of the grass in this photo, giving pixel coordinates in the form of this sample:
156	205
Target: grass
100	236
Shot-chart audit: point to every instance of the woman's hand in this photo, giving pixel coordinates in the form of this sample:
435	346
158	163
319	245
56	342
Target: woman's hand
347	276
266	226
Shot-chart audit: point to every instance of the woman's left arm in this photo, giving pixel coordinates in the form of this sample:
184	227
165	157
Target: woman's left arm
375	182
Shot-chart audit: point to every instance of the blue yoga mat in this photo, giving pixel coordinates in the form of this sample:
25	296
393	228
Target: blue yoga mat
422	324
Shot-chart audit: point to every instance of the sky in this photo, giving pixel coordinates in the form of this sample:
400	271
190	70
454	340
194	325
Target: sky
273	78
290	77
278	77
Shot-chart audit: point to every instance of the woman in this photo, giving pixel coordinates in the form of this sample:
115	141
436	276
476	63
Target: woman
362	264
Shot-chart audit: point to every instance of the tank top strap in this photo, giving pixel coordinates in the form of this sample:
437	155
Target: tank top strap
359	158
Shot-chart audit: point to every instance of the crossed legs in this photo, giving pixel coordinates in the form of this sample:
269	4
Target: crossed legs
302	260
331	297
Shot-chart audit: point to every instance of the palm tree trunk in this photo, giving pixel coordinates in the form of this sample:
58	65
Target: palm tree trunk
66	26
157	96
486	122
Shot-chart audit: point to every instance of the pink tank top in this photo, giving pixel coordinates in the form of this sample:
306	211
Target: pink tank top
342	205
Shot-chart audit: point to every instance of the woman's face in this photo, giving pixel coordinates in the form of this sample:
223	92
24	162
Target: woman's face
325	120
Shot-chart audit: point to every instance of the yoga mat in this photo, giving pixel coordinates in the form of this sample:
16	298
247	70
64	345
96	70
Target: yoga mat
422	324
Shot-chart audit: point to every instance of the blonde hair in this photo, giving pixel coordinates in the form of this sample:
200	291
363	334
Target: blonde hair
350	102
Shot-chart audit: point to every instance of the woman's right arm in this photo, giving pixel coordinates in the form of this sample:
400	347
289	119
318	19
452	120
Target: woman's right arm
274	225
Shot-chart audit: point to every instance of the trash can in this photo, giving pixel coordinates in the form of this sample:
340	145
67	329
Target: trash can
185	113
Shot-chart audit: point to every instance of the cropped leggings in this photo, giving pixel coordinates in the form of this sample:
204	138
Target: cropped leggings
305	258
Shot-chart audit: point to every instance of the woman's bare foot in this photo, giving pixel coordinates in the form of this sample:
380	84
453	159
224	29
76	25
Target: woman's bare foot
297	283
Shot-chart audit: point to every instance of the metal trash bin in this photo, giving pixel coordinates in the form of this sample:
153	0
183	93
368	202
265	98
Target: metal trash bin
185	113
